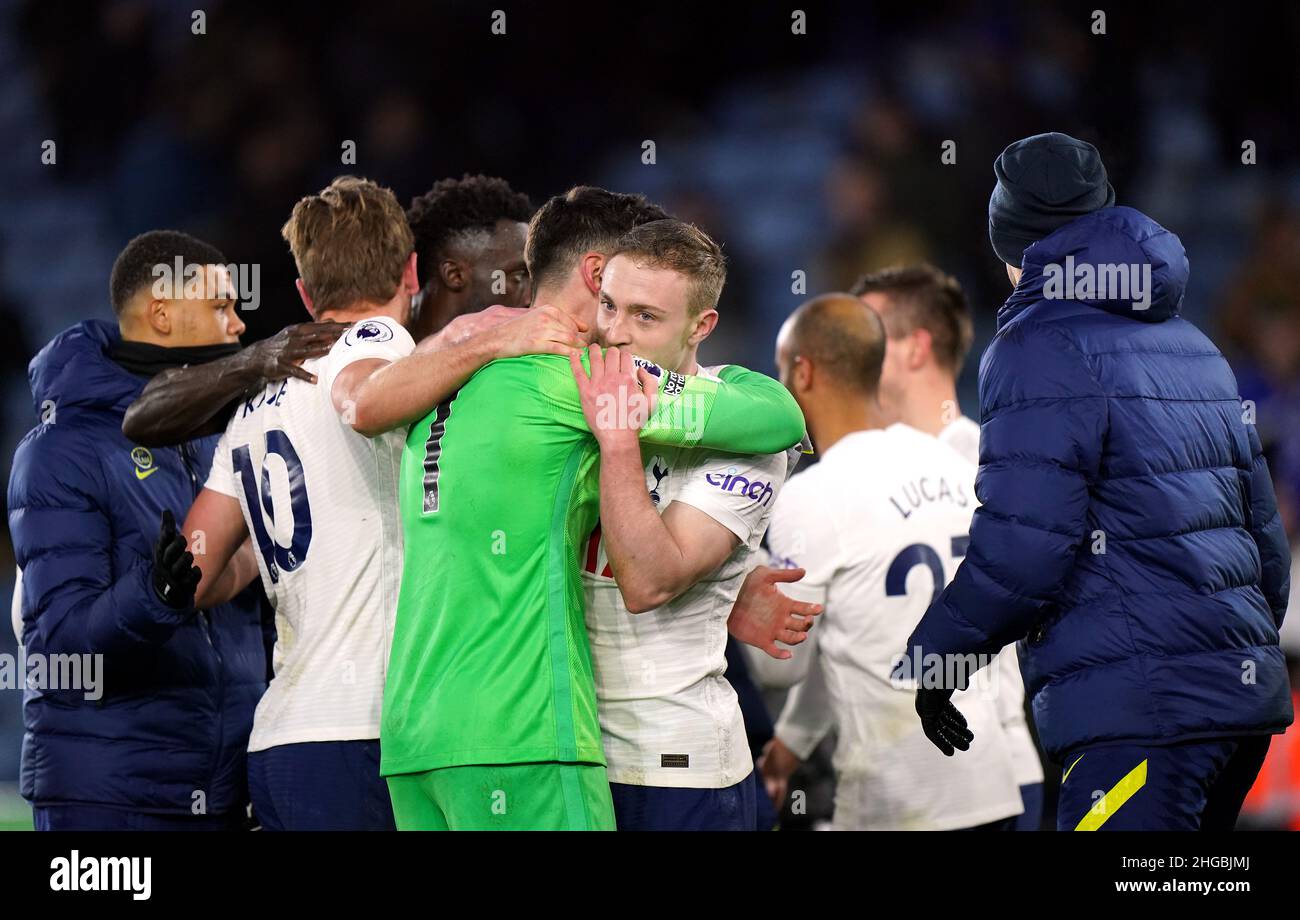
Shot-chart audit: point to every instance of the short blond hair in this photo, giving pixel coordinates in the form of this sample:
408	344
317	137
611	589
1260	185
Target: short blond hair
683	248
350	243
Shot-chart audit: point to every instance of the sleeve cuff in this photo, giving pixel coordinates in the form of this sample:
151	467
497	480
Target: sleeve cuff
801	741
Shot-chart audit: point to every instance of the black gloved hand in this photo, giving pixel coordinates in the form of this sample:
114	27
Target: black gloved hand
943	722
175	577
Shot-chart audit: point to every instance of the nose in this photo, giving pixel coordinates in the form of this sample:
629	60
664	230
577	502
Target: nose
616	332
236	327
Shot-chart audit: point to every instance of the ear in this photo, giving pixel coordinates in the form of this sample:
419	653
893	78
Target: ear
803	374
453	275
306	298
410	276
704	325
920	348
158	316
592	267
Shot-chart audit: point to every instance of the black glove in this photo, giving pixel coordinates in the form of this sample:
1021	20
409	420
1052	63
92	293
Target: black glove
175	577
943	722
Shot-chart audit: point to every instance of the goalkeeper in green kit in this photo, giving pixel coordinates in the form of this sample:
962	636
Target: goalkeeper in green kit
489	715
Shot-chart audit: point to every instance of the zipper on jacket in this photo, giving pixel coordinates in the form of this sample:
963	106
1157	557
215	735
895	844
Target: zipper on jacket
221	704
186	458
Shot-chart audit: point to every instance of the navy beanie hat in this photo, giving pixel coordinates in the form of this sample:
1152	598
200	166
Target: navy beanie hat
1044	182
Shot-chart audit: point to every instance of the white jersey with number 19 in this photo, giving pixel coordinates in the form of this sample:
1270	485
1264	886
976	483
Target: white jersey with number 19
320	502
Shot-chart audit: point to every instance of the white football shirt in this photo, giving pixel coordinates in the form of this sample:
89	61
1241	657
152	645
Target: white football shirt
963	436
320	502
668	716
880	525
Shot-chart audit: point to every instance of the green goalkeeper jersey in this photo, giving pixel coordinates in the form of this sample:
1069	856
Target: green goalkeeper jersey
499	491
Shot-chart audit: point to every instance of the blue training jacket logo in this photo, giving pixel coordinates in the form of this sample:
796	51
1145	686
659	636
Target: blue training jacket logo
143	461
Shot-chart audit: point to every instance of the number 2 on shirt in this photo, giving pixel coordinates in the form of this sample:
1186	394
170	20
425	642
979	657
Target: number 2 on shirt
920	554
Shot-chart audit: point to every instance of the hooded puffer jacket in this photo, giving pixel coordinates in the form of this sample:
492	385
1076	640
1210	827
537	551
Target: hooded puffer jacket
166	729
1129	533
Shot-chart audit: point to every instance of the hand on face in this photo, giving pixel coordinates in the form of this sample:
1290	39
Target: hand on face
618	397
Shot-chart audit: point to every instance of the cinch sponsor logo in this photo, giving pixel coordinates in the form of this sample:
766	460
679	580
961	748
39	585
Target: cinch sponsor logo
730	482
102	873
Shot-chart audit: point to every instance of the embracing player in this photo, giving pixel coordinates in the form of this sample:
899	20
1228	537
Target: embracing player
879	524
678	530
297	470
469	240
928	334
489	710
469	245
318	500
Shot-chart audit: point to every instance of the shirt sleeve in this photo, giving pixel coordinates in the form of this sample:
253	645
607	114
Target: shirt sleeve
802	536
799	536
807	715
221	476
744	412
736	491
1044	423
379	337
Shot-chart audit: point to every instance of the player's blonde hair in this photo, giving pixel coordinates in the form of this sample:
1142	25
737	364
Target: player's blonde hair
350	243
684	248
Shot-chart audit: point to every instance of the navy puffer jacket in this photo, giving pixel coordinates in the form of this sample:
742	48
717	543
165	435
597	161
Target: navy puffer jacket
1129	533
170	730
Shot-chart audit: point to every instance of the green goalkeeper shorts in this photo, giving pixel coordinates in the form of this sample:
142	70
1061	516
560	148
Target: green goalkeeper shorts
506	797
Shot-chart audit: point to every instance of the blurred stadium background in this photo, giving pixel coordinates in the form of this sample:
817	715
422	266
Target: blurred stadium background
817	153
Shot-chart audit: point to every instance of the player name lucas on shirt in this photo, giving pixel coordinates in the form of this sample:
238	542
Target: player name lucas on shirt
927	489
